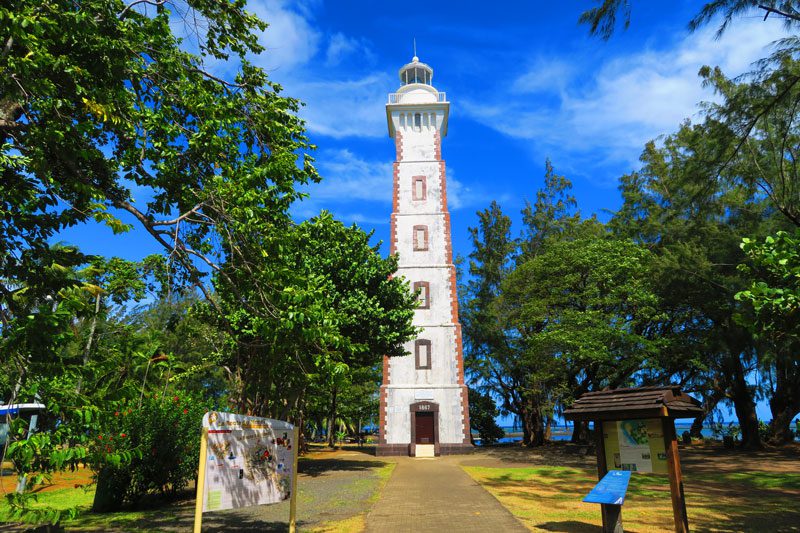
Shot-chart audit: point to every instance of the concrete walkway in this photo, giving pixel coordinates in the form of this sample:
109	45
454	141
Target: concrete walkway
437	495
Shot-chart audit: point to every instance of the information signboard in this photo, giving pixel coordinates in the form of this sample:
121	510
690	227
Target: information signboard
635	445
244	461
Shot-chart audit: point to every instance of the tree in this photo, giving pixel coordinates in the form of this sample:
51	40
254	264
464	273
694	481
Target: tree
693	220
774	294
581	315
99	100
105	117
330	306
553	214
602	20
490	361
482	414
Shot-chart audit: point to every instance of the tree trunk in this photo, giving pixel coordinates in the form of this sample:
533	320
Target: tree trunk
744	405
108	496
332	419
785	402
580	432
532	426
710	402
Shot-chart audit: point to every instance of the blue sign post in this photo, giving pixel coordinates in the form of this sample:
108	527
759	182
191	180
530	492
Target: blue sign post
611	489
610	493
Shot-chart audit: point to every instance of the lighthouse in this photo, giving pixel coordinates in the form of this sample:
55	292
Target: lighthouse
423	397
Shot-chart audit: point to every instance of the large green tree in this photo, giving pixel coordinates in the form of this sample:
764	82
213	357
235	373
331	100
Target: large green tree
581	315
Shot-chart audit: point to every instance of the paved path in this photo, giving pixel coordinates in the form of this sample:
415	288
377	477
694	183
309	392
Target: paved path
437	495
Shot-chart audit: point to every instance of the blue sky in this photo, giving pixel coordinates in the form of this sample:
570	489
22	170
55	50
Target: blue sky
525	83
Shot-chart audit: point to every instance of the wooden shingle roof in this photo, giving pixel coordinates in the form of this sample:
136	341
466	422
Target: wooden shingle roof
637	402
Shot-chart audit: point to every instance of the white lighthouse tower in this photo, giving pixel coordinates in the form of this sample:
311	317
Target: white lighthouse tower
423	407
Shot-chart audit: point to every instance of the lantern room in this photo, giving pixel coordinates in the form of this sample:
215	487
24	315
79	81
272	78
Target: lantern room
416	72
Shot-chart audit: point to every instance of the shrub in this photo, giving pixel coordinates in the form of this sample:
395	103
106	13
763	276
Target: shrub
147	449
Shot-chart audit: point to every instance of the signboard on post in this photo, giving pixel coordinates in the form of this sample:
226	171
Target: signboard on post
635	432
635	445
244	461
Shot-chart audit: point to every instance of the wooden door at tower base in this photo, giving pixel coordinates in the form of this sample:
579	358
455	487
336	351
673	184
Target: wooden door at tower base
423	425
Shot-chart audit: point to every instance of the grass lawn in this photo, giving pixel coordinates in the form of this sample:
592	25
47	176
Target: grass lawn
548	498
336	490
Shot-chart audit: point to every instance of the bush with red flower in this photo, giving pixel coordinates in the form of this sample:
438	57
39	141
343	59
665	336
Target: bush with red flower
145	448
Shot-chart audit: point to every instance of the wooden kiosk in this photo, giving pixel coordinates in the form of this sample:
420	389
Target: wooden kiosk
635	430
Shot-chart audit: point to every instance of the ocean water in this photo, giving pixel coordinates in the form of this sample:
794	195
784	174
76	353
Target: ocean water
564	433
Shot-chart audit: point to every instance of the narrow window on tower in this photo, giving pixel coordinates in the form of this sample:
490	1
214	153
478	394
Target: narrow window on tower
423	290
420	238
422	354
419	188
418	122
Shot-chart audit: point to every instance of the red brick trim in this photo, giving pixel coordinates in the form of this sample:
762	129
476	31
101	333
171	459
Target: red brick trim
454	302
420	246
414	181
443	184
382	402
465	413
418	344
398	145
437	144
395	208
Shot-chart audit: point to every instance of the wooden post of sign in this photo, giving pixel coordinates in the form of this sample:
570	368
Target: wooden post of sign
201	483
612	514
293	497
675	478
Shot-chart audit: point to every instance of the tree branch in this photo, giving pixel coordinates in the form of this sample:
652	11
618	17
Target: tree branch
124	12
778	12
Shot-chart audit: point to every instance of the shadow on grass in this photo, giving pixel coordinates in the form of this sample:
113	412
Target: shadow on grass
318	467
570	526
724	501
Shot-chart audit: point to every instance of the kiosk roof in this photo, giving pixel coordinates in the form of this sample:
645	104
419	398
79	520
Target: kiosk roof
636	402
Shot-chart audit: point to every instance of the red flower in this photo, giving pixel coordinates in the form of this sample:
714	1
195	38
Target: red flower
175	398
185	411
99	437
122	435
116	413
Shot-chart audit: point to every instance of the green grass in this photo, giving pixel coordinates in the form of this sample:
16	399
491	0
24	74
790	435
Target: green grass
550	498
61	499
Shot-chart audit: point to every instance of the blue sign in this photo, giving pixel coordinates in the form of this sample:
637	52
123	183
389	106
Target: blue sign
611	489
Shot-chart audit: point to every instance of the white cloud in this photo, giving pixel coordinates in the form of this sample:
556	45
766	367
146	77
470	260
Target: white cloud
545	75
341	46
339	103
291	39
344	108
627	101
346	176
459	195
